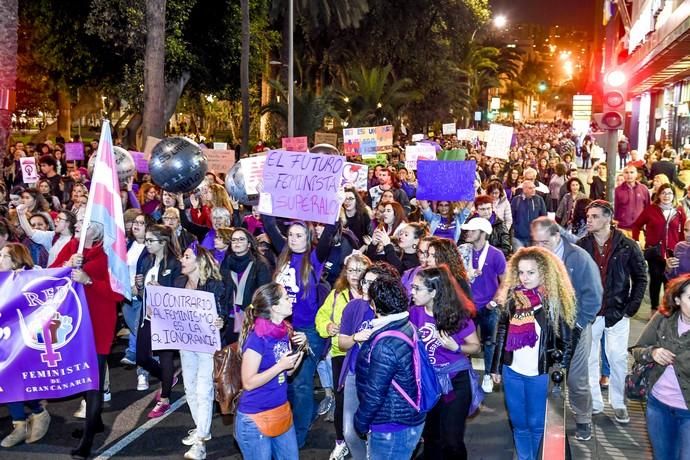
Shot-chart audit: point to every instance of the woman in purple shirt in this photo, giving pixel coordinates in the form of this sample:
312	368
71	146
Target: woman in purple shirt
444	320
263	425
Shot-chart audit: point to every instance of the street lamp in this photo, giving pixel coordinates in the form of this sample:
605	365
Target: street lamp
500	21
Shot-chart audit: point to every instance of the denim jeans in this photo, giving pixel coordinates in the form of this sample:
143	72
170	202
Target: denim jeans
197	372
132	312
357	446
256	446
325	371
17	412
605	368
397	445
526	403
669	430
301	388
486	320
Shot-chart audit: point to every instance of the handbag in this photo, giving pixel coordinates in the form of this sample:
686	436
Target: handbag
227	378
637	381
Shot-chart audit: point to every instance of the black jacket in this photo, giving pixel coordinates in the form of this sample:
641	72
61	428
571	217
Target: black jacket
626	277
548	340
669	168
259	274
168	271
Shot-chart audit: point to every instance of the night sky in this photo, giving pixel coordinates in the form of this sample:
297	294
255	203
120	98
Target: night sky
579	13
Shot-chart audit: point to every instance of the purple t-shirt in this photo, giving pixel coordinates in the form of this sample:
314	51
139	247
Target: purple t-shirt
485	285
357	317
438	354
304	305
446	228
274	392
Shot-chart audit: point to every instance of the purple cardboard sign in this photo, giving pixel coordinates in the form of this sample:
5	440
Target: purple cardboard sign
48	348
302	185
446	180
140	161
182	319
74	151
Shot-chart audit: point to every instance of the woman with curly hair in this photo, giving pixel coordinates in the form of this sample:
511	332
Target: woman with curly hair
443	317
538	311
665	344
443	251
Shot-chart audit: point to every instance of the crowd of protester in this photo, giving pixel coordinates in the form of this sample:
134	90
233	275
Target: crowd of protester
539	261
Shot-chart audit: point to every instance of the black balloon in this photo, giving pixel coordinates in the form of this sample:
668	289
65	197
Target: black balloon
234	184
177	165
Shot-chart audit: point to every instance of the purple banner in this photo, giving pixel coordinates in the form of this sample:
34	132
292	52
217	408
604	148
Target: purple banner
301	185
48	348
74	151
446	180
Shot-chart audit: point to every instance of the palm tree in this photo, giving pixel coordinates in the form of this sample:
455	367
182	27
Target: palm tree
9	11
479	71
374	97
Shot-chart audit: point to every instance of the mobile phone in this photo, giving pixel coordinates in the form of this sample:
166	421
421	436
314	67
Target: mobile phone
669	253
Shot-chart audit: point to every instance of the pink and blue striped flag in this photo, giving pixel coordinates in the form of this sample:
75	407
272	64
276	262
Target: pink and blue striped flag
105	206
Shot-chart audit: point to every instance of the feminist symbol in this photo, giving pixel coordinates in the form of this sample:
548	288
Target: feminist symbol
50	357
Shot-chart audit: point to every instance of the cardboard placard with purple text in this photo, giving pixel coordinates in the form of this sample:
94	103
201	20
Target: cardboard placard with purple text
140	162
296	144
74	151
219	161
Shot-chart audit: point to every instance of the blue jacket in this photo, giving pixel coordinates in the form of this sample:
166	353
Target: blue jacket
584	275
434	219
379	402
525	210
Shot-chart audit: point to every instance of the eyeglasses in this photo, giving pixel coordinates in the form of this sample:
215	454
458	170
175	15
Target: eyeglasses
350	198
139	222
151	241
416	288
366	282
58	219
238	240
169	218
667	193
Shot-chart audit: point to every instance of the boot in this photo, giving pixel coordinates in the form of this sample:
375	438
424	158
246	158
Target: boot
38	426
17	436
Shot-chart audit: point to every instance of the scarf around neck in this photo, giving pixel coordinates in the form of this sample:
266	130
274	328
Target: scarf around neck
266	328
521	329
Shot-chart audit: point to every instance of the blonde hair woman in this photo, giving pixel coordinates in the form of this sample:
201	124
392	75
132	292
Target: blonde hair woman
539	309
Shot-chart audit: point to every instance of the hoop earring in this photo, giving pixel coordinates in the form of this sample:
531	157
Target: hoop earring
414	246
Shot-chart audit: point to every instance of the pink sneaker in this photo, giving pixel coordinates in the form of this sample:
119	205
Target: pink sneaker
176	378
159	409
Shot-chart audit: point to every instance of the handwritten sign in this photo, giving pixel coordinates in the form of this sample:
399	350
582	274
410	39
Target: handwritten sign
465	135
356	175
220	146
446	180
378	159
417	137
302	185
219	161
326	138
74	151
452	155
367	142
498	142
140	162
252	173
29	170
418	152
151	142
296	144
182	319
448	129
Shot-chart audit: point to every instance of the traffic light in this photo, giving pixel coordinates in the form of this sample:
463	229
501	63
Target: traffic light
542	86
615	92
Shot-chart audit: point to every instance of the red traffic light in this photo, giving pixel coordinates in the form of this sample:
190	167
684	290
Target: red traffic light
612	120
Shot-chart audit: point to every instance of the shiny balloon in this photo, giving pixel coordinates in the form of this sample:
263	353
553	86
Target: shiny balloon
177	165
123	162
326	149
234	184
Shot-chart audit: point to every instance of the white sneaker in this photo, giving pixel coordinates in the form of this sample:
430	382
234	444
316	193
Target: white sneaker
142	382
339	452
487	384
197	452
107	396
191	438
81	412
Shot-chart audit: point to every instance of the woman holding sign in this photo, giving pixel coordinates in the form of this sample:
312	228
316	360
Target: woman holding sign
200	272
299	270
91	270
263	425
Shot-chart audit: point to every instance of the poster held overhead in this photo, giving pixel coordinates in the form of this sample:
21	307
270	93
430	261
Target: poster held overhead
446	180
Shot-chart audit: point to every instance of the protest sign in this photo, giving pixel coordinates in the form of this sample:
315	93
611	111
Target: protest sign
301	185
140	162
356	175
326	138
379	159
296	144
182	319
220	146
446	180
29	170
219	161
452	155
74	151
465	135
151	142
418	152
48	348
417	137
367	142
498	141
252	173
448	129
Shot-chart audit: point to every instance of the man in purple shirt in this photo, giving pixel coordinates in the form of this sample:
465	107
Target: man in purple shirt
630	199
486	266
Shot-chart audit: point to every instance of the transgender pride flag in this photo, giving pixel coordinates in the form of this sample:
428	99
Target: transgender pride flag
105	206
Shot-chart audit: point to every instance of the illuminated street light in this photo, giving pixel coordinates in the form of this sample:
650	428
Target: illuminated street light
615	78
500	21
